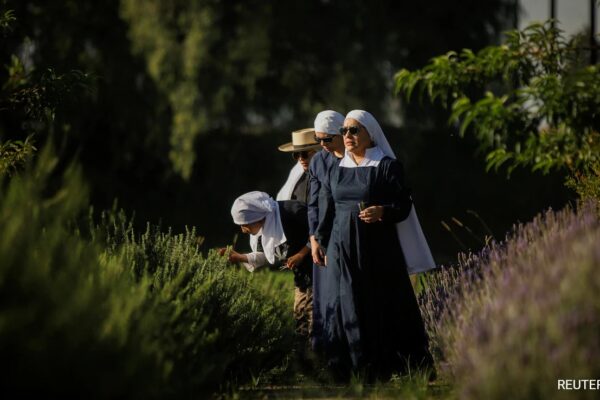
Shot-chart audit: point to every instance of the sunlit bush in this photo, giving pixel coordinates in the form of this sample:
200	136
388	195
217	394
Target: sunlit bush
530	102
587	184
512	320
96	310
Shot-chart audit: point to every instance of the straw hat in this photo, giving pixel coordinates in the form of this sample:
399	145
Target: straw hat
302	140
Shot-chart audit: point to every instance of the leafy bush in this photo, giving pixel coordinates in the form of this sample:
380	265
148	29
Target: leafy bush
33	96
586	183
14	155
217	321
103	312
510	321
529	102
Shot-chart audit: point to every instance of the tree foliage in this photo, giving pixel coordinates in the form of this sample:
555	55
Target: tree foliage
7	18
170	71
252	89
14	154
33	96
222	65
529	102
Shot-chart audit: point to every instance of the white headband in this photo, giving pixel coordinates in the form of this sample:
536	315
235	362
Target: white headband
329	122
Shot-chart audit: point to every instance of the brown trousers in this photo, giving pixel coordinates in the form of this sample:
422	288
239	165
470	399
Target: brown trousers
303	311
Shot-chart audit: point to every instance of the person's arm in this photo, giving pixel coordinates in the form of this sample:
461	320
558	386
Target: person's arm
313	211
326	213
255	260
251	261
312	206
400	204
295	260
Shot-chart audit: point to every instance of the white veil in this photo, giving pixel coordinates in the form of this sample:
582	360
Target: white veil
414	245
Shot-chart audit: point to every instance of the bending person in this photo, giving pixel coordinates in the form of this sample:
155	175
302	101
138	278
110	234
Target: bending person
281	232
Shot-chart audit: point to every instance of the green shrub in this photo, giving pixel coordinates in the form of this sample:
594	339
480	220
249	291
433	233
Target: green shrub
217	321
60	307
14	155
102	312
587	184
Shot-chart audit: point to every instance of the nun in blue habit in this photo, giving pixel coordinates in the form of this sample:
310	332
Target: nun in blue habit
327	132
371	323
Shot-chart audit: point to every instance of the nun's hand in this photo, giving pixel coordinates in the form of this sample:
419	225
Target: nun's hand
371	214
235	257
317	251
232	255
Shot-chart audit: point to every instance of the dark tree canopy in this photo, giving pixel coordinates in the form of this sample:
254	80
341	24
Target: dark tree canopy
194	96
169	71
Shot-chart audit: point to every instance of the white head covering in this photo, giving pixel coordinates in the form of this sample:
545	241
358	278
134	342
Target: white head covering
375	132
414	245
329	122
254	206
374	154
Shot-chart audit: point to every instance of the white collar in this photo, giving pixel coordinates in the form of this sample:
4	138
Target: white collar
372	158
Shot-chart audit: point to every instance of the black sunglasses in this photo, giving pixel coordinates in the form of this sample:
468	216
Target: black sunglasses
300	154
353	130
326	139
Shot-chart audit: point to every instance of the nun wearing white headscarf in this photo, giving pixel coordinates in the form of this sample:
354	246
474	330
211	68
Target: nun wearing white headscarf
372	320
258	209
327	132
280	229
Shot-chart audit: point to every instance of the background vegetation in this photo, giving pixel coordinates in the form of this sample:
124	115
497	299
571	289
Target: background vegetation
99	310
509	321
512	319
186	97
172	109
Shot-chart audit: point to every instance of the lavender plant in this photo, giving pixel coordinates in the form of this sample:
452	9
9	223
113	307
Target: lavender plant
512	320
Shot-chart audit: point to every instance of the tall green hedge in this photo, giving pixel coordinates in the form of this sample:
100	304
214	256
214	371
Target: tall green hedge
96	310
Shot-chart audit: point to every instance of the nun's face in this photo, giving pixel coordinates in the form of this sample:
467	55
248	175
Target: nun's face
329	143
356	137
252	228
